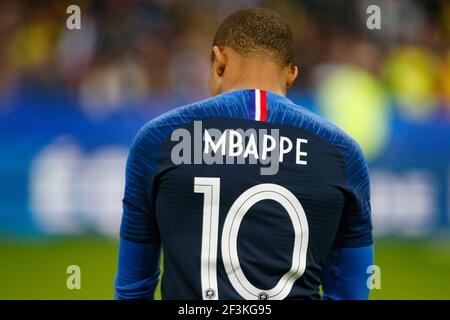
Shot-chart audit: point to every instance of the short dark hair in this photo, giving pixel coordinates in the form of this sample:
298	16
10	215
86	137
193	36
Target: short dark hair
257	31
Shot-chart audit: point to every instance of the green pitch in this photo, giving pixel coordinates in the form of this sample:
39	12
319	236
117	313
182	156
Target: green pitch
37	269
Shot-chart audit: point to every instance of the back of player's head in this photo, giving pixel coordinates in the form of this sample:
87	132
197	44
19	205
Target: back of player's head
257	31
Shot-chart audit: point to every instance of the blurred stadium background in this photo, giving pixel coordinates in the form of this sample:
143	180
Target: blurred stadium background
72	101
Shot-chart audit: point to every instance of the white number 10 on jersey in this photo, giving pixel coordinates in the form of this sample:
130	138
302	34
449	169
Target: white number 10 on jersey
210	187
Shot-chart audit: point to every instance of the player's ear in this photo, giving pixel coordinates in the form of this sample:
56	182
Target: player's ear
292	75
220	61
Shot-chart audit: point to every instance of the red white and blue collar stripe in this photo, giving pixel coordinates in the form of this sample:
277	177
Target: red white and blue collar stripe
258	105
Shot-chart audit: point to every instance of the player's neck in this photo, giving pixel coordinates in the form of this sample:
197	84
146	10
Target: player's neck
255	75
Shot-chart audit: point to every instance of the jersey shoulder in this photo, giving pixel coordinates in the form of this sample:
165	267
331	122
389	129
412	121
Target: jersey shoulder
224	105
289	113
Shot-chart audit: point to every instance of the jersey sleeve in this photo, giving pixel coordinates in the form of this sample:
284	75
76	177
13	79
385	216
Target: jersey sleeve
345	270
140	245
345	273
139	220
355	229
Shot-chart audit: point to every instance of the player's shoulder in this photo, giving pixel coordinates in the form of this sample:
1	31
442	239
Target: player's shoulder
351	152
296	115
223	105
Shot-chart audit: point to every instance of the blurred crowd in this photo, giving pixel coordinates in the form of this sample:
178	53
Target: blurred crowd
129	51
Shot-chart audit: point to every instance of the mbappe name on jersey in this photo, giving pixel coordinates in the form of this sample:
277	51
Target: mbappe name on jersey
236	146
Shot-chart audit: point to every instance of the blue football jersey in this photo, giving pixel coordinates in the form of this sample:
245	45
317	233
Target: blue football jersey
246	193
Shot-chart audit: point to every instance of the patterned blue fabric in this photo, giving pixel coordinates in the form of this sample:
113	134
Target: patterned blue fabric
341	218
